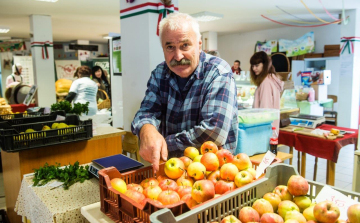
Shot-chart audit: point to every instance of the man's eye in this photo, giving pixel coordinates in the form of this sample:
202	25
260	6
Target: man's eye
185	45
169	47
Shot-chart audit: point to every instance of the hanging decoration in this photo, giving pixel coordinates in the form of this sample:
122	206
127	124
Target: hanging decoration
348	43
44	48
12	45
164	8
130	1
300	46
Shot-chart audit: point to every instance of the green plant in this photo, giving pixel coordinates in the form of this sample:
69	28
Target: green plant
78	108
69	175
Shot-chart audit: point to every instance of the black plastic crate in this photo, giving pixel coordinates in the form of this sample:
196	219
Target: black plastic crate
3	217
30	117
13	140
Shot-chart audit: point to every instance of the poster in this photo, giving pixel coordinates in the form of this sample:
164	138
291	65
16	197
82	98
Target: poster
268	47
27	72
65	69
103	63
303	45
116	56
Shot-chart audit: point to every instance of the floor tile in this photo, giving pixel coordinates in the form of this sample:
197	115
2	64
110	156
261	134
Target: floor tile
344	178
341	184
348	187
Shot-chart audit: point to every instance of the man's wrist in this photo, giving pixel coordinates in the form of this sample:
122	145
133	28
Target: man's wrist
146	127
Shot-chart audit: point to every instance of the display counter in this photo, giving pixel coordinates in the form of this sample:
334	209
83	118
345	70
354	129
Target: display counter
106	142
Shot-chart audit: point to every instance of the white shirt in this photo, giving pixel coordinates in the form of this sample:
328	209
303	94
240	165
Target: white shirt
86	91
10	80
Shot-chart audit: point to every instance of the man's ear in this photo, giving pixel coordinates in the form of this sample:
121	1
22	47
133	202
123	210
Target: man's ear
200	44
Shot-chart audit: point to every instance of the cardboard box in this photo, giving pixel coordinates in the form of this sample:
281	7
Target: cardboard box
332	53
320	92
332	47
321	77
314	55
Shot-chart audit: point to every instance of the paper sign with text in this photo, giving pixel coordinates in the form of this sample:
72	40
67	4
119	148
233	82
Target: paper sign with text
343	202
265	162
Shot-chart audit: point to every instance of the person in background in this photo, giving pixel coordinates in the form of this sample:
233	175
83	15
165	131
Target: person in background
102	81
236	68
14	78
76	73
214	53
269	85
84	90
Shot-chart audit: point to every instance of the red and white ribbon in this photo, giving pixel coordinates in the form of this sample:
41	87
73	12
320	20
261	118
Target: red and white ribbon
44	46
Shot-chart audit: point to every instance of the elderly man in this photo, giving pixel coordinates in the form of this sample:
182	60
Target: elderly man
190	98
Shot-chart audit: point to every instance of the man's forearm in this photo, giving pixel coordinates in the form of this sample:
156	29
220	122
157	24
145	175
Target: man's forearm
145	128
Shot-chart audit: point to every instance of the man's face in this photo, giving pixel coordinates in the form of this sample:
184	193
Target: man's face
236	65
181	50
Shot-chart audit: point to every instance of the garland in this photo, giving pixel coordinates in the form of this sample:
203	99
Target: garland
44	46
149	7
348	42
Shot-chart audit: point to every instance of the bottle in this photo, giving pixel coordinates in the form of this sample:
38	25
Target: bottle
311	96
274	141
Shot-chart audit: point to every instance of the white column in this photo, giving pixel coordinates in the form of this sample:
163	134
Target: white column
210	41
141	53
44	73
349	81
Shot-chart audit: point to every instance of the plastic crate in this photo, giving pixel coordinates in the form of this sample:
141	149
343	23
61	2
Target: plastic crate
120	208
258	115
30	117
12	141
253	138
3	217
231	203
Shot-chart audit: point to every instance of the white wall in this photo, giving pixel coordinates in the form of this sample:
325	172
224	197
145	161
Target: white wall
240	46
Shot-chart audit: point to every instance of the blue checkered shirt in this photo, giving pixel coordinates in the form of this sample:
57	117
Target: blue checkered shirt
205	110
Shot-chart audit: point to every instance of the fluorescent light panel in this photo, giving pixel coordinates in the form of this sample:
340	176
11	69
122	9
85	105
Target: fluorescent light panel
207	16
4	29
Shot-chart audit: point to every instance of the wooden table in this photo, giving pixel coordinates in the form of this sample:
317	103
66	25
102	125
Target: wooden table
356	176
107	142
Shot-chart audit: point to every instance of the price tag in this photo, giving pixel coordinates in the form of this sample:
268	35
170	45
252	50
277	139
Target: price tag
342	201
265	162
60	118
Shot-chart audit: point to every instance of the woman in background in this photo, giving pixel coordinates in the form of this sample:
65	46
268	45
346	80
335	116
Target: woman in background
100	78
14	78
269	86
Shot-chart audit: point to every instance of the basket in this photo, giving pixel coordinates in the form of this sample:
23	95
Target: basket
12	141
120	208
105	103
301	96
30	117
231	203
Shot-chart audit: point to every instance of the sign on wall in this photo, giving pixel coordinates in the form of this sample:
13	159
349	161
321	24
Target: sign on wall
303	45
65	69
268	47
116	55
27	72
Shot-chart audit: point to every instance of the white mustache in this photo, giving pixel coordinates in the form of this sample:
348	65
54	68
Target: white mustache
183	61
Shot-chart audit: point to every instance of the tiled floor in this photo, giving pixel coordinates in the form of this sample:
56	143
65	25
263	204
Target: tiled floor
343	171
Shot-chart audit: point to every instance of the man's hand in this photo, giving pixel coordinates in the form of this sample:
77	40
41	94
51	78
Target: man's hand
152	145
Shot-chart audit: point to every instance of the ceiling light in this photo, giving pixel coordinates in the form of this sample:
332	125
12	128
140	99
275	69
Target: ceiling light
4	29
46	0
107	37
111	35
207	16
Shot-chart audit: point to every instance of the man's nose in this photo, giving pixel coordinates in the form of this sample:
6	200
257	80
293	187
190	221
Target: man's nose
178	55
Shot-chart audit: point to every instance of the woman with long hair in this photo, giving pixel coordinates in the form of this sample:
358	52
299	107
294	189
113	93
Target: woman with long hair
100	78
269	85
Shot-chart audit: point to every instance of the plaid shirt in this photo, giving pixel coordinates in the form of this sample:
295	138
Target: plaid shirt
205	110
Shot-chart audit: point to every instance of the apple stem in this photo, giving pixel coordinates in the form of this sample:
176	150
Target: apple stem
181	169
204	175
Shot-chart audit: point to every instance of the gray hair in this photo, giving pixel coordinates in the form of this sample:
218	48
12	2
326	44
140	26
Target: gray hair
176	20
214	53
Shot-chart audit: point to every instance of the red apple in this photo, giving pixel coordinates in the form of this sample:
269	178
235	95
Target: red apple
223	186
185	181
183	190
242	161
291	221
196	170
174	168
224	156
309	213
326	211
252	171
152	192
149	182
168	197
208	147
119	185
311	221
203	190
186	160
168	185
353	213
191	152
248	214
230	219
263	206
189	201
136	196
298	185
243	178
274	200
283	192
135	187
161	178
197	158
214	176
302	202
228	171
156	202
271	218
295	215
286	206
210	161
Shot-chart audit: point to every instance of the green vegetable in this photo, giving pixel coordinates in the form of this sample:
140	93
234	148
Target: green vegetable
66	106
69	175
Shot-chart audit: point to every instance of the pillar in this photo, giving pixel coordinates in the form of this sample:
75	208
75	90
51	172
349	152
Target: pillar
141	51
44	70
209	40
349	81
